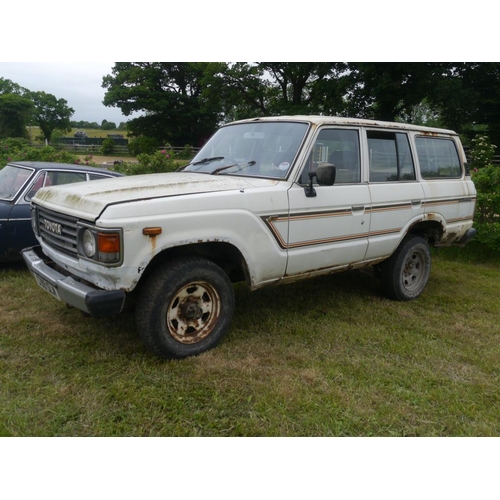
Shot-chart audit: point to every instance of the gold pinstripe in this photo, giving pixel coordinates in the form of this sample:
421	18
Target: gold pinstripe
270	221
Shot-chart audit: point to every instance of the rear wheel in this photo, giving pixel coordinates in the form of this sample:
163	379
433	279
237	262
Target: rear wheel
185	308
406	273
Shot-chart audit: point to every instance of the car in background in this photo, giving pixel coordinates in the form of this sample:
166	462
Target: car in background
19	181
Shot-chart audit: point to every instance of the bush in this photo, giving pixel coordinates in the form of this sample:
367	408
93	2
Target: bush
158	162
187	153
107	146
20	150
141	145
482	151
487	217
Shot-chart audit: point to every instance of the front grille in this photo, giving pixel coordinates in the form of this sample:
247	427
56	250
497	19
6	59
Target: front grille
58	231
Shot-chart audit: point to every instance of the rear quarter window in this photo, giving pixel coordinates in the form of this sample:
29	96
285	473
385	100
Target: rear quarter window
62	177
438	158
96	177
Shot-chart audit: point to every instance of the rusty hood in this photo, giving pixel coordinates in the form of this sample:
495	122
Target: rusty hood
89	199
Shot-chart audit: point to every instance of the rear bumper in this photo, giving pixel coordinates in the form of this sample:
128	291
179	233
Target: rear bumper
83	296
469	235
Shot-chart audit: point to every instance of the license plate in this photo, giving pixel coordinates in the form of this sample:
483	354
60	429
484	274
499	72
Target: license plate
43	283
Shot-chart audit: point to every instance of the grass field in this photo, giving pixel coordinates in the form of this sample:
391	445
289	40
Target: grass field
325	357
35	132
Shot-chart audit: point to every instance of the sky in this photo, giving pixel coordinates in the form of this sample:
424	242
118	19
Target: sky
77	82
299	36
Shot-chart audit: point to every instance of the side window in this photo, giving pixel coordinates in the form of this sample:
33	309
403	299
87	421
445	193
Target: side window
39	182
390	157
337	146
56	177
437	158
96	177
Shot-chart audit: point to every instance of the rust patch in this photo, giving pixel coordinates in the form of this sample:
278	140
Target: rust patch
448	239
152	241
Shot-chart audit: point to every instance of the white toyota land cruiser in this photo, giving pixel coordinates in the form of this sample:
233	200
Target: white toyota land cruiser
266	201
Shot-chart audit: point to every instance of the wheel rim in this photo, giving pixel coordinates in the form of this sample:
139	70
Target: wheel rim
414	271
193	312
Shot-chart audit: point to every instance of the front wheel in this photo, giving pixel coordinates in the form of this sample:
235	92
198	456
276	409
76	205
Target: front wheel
406	272
185	308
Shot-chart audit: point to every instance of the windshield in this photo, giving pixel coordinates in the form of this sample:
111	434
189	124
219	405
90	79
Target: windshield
261	149
12	180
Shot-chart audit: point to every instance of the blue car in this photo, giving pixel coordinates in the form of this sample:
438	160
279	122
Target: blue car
19	181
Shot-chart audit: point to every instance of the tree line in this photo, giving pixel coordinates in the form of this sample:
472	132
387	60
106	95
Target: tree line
20	107
183	103
104	125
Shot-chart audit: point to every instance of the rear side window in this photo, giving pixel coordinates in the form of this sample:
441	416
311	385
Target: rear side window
96	177
61	177
438	158
390	157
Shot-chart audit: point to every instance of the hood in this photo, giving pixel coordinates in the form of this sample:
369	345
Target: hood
89	199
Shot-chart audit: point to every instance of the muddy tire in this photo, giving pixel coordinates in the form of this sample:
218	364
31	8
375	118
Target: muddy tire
405	274
184	308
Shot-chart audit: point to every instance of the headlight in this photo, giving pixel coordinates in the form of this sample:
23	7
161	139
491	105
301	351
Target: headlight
88	244
100	245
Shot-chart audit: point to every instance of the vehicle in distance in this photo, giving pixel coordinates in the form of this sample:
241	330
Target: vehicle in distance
19	181
265	201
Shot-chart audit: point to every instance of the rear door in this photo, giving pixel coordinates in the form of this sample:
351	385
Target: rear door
397	198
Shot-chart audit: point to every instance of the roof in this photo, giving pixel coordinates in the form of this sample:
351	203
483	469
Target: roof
338	120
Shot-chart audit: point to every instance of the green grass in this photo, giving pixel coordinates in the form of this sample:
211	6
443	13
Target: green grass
91	132
324	357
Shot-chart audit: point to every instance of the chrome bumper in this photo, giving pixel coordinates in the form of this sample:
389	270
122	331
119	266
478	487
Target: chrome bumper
94	301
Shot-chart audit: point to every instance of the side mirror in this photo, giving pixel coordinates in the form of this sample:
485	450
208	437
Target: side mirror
325	174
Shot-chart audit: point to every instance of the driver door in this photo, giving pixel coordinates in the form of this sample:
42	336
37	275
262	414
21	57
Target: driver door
331	229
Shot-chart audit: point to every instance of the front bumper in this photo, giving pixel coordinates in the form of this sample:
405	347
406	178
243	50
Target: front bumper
83	296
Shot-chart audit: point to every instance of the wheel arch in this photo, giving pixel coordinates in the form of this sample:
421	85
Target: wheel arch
431	230
227	256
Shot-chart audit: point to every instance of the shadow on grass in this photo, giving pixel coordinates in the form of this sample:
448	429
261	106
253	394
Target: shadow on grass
259	310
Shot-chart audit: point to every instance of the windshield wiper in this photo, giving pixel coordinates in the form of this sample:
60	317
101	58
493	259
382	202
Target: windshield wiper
200	162
220	169
207	160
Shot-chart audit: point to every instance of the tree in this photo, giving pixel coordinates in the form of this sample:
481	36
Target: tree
15	109
469	99
169	94
9	87
105	125
386	91
185	102
51	113
264	89
239	89
15	114
300	88
84	124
